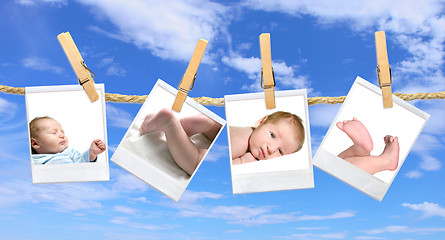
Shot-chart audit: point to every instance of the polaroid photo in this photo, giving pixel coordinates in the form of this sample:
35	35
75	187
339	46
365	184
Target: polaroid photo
67	134
367	144
165	148
270	149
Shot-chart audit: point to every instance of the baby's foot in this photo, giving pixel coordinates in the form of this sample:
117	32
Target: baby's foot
390	154
157	122
359	135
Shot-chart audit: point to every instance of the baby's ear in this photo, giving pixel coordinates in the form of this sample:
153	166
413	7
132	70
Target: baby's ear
34	144
259	121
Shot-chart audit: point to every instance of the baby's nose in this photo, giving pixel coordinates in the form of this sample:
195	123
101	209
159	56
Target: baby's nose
272	148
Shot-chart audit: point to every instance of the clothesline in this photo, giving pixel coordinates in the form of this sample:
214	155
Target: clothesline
119	98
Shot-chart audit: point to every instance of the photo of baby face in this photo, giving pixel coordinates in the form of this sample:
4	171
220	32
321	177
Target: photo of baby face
67	134
49	144
47	136
277	134
269	144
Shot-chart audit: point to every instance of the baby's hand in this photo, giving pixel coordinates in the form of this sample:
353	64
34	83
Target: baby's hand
245	158
97	147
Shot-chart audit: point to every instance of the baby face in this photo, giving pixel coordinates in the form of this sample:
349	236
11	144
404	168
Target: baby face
50	138
272	140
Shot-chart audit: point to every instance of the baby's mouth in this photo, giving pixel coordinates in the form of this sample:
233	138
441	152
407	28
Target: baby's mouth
262	152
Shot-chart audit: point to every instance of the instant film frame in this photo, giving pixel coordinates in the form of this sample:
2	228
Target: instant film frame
364	101
293	171
82	121
148	157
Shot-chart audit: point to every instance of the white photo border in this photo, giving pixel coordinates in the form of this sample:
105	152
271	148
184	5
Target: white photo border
79	172
263	178
148	173
363	181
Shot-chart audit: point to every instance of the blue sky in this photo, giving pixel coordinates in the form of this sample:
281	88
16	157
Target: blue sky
321	46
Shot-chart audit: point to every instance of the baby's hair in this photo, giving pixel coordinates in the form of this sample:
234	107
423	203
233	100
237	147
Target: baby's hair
33	126
34	129
296	120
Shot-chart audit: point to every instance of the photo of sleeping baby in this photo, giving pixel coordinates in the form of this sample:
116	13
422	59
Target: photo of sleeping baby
178	132
49	144
274	135
67	134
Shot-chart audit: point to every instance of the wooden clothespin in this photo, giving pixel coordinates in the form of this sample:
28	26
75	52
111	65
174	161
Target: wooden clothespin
79	66
383	69
188	80
267	74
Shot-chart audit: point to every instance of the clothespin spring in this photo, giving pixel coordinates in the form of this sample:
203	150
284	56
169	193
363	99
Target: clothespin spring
390	78
273	77
191	87
87	79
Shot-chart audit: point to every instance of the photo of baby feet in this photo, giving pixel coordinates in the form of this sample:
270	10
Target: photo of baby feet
359	153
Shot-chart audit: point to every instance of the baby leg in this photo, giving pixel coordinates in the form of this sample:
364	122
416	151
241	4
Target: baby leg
388	160
200	124
183	151
359	135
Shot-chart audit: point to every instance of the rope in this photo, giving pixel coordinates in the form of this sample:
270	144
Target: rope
119	98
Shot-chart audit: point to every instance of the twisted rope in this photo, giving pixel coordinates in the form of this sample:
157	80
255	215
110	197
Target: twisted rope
119	98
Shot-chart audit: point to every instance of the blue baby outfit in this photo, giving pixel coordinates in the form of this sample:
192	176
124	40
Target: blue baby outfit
69	155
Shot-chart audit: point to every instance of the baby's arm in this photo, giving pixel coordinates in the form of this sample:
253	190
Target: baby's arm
239	140
246	158
97	147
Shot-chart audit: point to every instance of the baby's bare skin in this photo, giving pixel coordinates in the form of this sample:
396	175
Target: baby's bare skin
97	147
239	140
359	135
359	153
177	133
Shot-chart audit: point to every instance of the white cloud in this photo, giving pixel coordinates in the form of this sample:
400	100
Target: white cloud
217	152
7	111
322	115
190	197
35	2
427	209
125	209
429	163
126	222
127	182
405	229
141	199
312	228
117	117
41	64
169	29
430	141
367	237
60	197
417	27
113	68
243	215
285	76
310	236
414	174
